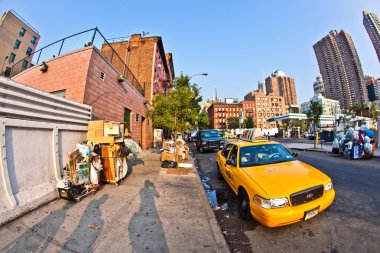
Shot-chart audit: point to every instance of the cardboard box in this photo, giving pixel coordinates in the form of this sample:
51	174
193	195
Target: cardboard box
95	128
166	156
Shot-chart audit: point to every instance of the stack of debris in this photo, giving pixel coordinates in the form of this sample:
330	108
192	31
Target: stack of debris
173	153
103	158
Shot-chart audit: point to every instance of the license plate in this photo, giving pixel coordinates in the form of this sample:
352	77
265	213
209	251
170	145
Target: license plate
310	214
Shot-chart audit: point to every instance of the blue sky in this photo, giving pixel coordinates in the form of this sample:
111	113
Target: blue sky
236	42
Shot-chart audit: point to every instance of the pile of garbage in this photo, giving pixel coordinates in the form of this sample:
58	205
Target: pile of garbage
355	144
103	158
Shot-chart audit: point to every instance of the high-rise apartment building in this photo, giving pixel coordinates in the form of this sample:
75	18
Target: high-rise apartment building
341	70
279	84
318	86
372	24
18	39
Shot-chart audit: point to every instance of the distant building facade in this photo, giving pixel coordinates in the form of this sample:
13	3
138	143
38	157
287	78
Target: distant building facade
341	70
261	86
279	84
18	39
219	113
373	88
261	107
231	100
372	24
318	86
329	106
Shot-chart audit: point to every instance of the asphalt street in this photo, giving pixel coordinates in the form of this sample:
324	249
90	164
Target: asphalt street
350	224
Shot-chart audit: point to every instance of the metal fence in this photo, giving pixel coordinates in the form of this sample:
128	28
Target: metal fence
91	37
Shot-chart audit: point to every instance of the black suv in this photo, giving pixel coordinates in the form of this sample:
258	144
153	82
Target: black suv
208	140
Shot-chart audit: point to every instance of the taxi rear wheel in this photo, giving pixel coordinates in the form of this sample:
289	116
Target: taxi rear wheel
243	205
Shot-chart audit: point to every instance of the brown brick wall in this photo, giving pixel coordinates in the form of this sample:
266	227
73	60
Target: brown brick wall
79	74
282	86
67	72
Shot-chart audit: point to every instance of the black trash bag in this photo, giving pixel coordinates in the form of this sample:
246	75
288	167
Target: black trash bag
125	151
169	164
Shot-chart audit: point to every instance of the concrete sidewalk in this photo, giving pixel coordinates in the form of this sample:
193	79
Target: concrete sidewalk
153	210
310	147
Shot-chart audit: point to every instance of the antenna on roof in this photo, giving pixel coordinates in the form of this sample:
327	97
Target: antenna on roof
144	33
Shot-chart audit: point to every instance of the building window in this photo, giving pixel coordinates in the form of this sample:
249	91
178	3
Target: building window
12	57
17	44
127	119
29	51
22	32
33	40
7	71
102	75
24	65
59	93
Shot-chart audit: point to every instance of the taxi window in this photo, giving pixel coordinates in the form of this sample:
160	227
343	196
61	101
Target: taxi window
226	150
233	154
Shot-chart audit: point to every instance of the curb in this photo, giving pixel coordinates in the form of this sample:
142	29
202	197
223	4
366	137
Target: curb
221	244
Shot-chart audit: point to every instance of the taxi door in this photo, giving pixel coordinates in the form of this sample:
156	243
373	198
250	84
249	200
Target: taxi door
222	158
231	170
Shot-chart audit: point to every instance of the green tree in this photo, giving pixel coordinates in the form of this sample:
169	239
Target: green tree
314	116
248	122
203	121
179	110
233	122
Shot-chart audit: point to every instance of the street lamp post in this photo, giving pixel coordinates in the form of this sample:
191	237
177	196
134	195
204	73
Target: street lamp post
201	74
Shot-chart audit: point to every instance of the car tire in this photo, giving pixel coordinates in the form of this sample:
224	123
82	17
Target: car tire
243	205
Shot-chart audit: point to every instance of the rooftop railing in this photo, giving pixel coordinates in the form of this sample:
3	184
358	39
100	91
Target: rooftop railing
91	37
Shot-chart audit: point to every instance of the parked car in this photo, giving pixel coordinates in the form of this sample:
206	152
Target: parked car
209	139
192	135
271	185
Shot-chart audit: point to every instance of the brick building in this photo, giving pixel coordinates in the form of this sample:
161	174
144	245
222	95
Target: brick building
261	107
85	76
218	114
146	58
279	84
18	39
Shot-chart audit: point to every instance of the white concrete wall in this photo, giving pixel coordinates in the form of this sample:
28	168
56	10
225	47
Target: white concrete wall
34	142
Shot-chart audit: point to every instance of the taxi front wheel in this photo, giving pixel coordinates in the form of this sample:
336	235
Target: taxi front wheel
243	205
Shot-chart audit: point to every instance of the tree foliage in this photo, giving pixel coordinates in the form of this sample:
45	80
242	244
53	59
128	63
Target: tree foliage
179	110
233	122
248	122
314	116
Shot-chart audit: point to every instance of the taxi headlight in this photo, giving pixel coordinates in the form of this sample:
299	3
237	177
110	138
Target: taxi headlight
271	203
328	186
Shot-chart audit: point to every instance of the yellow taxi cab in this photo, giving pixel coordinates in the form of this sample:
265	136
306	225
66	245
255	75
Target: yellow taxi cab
271	185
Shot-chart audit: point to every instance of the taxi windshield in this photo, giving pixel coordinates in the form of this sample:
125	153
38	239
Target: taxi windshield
264	154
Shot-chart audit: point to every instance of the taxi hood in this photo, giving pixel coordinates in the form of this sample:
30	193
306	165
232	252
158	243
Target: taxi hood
286	178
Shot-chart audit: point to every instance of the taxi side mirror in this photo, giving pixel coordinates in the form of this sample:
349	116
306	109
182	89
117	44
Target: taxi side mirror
230	162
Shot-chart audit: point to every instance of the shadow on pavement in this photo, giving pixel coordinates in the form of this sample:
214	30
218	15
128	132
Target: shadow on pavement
89	227
145	228
38	237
